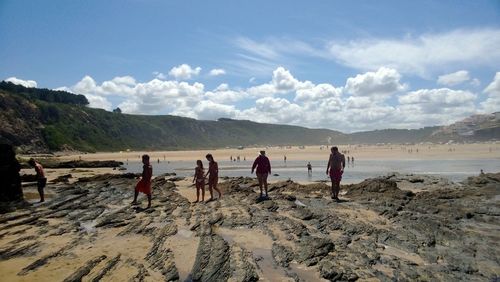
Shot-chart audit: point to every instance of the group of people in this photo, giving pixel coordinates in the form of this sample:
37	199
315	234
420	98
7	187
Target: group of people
261	166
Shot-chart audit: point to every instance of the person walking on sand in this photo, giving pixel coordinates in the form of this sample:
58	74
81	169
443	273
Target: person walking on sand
40	178
335	169
213	176
199	180
144	184
263	170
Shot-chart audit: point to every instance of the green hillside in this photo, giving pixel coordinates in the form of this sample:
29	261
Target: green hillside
38	124
43	120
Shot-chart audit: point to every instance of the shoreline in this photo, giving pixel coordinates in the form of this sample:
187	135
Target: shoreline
318	152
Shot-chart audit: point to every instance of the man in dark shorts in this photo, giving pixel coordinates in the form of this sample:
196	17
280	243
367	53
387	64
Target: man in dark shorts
335	169
309	169
263	170
40	178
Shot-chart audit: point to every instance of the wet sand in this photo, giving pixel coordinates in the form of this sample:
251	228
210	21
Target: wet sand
88	229
359	152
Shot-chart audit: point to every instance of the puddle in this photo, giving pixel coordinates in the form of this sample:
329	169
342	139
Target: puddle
184	233
260	245
306	273
88	226
388	250
299	203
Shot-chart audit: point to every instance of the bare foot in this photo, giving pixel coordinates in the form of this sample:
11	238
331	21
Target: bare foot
134	203
195	202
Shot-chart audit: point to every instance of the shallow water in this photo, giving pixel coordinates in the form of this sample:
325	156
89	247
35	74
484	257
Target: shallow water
455	170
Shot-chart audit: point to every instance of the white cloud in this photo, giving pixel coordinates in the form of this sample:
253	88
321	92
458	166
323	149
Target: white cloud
216	72
273	110
362	104
25	83
426	107
224	95
317	92
282	82
379	84
184	71
475	82
454	78
492	103
422	54
159	75
209	110
442	97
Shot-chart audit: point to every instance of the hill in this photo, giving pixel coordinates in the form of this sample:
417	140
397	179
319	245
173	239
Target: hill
36	124
43	120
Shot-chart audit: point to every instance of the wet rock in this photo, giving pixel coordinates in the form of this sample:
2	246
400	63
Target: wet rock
303	213
18	251
63	178
269	205
85	269
282	255
110	265
80	164
243	267
212	259
312	249
10	180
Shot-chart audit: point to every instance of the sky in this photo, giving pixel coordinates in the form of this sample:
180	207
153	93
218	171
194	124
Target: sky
342	65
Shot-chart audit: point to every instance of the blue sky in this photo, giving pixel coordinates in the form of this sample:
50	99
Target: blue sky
346	65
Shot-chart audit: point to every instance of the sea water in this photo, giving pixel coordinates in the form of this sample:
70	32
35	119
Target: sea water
454	170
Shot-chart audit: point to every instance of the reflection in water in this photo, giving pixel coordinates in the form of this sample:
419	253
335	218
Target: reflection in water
455	170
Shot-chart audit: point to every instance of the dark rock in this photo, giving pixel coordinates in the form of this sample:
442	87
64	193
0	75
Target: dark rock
282	255
107	268
10	180
312	249
63	178
84	270
303	213
212	259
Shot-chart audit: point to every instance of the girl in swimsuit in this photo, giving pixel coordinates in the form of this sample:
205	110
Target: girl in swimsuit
199	180
213	176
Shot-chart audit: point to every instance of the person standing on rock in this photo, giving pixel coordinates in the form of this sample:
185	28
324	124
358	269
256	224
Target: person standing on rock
199	180
213	176
335	169
144	184
40	178
263	170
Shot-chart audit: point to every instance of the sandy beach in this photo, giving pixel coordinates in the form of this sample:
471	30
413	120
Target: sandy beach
383	229
359	152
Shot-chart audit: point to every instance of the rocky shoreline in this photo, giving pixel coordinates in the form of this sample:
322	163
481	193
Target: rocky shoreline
395	227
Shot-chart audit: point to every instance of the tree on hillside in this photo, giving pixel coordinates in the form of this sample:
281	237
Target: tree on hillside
117	110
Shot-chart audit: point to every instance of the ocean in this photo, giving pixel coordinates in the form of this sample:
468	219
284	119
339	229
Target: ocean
454	170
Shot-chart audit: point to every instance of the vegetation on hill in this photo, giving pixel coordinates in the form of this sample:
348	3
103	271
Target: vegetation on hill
42	120
48	95
39	125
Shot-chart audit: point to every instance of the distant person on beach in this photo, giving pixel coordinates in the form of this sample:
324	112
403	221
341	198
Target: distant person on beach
40	178
213	176
199	180
144	184
335	169
284	158
263	170
309	168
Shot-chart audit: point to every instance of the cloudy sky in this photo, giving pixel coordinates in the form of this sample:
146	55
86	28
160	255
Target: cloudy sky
343	65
